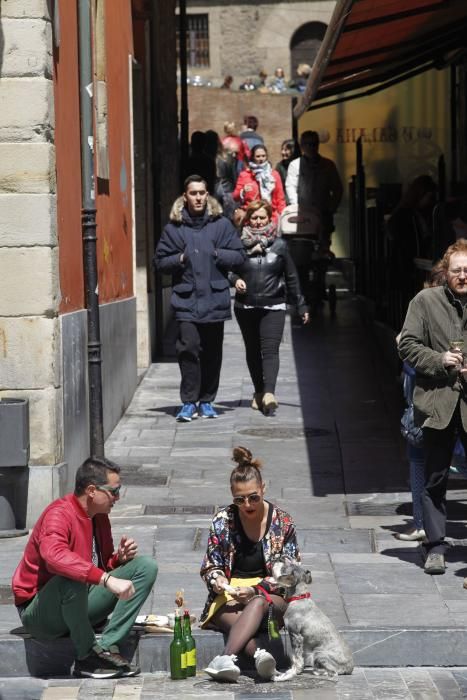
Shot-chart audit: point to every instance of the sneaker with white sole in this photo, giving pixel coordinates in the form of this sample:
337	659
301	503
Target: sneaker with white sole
205	410
265	664
412	535
97	664
187	412
223	668
435	564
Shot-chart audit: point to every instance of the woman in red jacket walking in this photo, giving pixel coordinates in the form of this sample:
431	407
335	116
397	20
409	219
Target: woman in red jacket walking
260	181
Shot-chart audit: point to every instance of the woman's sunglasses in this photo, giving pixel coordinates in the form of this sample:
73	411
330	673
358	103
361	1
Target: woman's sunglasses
251	498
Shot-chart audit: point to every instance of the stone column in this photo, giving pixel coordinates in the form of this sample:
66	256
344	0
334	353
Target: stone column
29	281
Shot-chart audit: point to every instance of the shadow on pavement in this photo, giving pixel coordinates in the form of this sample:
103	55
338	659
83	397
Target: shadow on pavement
346	387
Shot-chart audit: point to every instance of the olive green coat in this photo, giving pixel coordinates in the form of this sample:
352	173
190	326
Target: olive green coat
434	318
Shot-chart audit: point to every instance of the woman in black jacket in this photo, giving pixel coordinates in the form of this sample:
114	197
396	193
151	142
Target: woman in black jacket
264	283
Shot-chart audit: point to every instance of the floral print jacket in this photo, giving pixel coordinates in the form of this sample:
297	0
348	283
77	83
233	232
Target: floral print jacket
224	537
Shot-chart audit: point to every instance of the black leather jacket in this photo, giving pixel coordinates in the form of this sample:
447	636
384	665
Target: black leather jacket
270	279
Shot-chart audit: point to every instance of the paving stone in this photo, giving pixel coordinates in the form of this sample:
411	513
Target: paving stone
370	610
386	684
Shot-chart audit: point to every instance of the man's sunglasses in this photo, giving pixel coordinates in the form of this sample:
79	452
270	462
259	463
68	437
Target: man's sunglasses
251	498
113	490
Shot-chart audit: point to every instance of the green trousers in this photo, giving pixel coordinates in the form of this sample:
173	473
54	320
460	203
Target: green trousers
64	606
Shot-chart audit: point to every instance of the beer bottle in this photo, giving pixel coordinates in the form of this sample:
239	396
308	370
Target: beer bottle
178	652
190	645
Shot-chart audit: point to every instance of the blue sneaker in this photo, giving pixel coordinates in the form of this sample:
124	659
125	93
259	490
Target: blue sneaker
206	410
187	413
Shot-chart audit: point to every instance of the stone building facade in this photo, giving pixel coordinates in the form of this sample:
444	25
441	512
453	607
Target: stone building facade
247	37
43	330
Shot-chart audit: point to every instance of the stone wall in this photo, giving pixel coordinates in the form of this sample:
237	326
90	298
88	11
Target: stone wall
247	37
29	285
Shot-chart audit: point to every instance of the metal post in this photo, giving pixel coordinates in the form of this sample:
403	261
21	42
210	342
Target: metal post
294	120
184	115
454	140
88	224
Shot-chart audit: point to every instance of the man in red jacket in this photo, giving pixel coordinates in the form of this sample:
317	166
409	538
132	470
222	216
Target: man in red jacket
70	579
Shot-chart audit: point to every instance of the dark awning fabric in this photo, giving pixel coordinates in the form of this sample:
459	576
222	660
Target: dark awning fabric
374	41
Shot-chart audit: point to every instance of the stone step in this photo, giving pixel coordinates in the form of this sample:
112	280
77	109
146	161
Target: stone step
372	647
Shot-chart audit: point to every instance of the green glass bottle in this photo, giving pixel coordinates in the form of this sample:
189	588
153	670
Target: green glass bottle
178	653
190	645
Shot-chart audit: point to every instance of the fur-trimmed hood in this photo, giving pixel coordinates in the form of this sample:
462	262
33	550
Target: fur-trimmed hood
213	209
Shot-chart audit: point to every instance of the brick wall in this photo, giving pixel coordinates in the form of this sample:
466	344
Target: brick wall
209	108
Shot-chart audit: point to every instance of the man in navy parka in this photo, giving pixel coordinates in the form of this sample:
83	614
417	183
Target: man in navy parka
198	247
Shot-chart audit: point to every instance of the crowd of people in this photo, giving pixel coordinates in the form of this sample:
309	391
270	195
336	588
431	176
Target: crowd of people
225	231
277	84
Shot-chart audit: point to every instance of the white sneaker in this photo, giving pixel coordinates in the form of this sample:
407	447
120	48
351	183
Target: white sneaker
223	668
412	535
265	664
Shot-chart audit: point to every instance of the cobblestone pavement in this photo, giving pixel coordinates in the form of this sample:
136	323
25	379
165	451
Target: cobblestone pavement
363	684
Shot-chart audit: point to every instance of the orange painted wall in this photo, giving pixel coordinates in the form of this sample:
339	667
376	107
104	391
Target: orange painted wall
68	159
113	200
114	205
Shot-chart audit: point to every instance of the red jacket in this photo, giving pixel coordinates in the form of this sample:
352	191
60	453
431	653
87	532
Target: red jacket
246	177
61	545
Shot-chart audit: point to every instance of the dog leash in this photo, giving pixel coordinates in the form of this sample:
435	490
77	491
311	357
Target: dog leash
298	597
273	631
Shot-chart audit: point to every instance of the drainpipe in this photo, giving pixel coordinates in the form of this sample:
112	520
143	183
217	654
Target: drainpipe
88	227
184	115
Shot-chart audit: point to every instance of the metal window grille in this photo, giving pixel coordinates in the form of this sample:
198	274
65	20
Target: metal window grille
197	41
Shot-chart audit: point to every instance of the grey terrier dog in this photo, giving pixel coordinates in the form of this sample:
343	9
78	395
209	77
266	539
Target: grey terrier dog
314	639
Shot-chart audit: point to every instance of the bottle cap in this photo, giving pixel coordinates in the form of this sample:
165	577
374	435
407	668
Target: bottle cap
186	612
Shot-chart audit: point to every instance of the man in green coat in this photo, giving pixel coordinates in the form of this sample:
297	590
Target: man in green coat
432	340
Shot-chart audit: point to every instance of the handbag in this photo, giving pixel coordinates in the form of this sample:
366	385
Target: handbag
411	432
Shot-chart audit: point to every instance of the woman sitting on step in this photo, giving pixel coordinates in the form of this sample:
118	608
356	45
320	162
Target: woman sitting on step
245	539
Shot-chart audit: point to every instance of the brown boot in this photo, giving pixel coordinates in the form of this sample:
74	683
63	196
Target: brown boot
269	402
257	402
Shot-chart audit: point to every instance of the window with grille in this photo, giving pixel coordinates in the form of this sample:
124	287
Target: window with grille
197	41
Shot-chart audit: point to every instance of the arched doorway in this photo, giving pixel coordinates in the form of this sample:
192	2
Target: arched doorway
305	43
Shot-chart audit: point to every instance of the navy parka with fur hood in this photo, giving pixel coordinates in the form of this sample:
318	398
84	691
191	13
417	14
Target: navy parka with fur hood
211	248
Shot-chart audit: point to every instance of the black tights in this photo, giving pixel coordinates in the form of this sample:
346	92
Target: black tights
241	622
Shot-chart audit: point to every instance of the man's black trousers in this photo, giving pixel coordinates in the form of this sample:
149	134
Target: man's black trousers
199	353
438	447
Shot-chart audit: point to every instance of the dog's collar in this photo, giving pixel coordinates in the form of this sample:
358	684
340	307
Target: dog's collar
298	597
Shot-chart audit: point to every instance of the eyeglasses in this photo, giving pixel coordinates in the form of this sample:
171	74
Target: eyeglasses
251	498
458	271
113	490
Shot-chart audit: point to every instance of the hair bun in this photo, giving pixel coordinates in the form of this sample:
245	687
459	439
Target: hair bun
243	457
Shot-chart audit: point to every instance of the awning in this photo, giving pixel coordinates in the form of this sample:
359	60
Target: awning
378	42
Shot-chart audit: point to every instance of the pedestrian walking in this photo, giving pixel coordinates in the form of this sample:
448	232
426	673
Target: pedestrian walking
416	459
432	341
313	183
264	282
260	181
198	247
70	578
245	539
289	151
249	134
